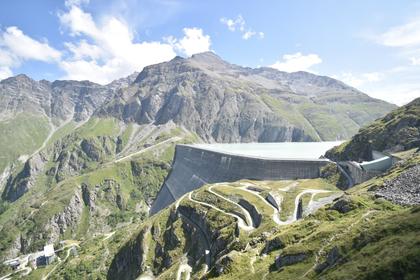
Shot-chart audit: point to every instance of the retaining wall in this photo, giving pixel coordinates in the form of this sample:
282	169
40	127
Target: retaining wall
357	174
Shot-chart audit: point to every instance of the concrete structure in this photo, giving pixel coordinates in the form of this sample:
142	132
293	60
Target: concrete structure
196	165
381	164
361	172
275	199
49	254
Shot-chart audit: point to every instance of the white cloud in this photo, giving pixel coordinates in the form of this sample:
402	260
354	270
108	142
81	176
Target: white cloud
358	80
349	78
84	50
70	3
297	62
113	52
25	47
239	24
406	35
399	94
248	34
17	47
415	61
100	51
7	58
194	41
5	72
373	76
397	85
234	24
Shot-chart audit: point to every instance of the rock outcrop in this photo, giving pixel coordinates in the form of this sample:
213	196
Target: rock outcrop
68	218
17	185
404	189
58	100
286	260
343	204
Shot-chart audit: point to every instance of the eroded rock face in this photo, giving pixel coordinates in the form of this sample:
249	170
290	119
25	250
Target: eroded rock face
59	100
24	180
98	148
222	265
286	260
68	218
273	244
343	204
186	231
404	189
332	259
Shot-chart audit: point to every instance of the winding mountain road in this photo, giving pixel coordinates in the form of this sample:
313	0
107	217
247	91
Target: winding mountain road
241	223
246	213
275	216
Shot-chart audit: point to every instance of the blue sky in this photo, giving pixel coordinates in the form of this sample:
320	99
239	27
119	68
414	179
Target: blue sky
372	45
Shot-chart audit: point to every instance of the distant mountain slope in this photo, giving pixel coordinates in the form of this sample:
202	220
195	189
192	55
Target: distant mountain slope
222	102
397	131
218	101
31	111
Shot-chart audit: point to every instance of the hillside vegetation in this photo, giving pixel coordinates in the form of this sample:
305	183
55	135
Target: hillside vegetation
397	131
358	235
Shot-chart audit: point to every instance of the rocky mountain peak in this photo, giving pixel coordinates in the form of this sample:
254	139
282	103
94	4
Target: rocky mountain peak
208	56
20	79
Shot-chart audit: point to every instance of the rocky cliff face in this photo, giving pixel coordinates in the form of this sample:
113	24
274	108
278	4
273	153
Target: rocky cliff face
69	218
17	185
222	102
59	100
162	242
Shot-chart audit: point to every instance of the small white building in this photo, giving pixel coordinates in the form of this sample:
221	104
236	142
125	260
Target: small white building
49	253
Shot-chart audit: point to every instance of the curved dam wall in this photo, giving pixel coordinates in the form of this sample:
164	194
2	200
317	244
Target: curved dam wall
194	166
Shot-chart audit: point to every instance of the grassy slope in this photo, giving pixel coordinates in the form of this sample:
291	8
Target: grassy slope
29	132
400	128
326	119
138	179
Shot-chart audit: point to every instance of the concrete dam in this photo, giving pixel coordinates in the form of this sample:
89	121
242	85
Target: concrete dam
196	165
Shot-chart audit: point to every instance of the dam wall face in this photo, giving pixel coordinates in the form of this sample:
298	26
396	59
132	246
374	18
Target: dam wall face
194	167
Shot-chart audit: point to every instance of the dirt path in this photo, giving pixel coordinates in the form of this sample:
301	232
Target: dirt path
241	223
275	216
120	159
172	139
50	134
298	197
55	267
108	236
246	213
